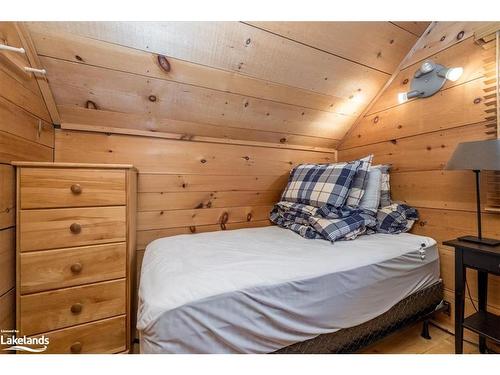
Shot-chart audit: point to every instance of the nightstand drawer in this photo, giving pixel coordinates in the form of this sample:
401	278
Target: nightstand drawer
103	337
52	269
71	306
66	187
68	227
485	262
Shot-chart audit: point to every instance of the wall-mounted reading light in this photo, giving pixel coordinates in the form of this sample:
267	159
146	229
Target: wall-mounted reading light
428	80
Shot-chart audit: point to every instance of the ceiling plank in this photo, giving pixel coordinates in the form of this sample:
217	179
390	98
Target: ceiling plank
439	36
379	45
415	27
240	48
70	47
75	84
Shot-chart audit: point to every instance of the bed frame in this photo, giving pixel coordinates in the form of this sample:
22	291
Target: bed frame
418	306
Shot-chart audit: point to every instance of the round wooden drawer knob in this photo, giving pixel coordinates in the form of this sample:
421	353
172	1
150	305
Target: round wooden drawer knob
76	189
76	308
76	268
76	347
75	228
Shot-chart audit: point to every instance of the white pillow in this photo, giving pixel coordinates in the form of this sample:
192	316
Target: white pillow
371	197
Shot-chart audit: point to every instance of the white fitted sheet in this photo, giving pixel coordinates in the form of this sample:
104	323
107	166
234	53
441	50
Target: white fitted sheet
260	289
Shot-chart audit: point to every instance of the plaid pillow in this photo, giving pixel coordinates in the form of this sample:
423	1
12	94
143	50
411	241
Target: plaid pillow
347	227
359	182
320	184
396	218
385	186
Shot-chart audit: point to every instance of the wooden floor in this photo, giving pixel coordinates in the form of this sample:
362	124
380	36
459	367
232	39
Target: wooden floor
409	341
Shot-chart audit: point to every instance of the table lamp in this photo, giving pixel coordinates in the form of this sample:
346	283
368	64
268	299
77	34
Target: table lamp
477	156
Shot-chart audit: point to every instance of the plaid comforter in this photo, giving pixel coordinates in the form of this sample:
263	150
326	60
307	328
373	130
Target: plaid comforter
333	224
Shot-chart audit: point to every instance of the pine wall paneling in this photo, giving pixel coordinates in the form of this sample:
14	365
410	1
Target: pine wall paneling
383	44
245	101
189	186
240	48
418	137
231	79
415	27
26	133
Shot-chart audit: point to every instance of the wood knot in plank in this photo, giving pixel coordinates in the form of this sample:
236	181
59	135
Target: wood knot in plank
91	105
152	98
460	35
163	62
186	137
477	100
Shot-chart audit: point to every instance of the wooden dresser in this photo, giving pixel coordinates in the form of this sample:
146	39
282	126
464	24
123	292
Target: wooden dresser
75	255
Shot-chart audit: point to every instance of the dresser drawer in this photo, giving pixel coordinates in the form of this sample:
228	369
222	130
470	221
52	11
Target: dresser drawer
47	311
102	337
67	227
52	269
66	187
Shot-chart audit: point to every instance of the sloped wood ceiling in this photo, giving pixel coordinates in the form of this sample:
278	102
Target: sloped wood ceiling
295	83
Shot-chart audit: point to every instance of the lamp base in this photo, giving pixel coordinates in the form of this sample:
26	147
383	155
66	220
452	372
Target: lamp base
482	241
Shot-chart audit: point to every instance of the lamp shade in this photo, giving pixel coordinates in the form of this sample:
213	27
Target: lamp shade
479	155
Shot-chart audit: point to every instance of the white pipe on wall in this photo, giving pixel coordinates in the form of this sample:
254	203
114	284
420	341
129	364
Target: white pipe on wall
34	70
5	47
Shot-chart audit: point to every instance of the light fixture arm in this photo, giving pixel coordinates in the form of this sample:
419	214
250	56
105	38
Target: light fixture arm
429	79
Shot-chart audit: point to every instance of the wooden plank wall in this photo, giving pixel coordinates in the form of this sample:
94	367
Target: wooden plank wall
188	186
418	137
26	133
274	82
218	133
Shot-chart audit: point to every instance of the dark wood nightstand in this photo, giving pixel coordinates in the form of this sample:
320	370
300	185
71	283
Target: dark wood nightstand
485	259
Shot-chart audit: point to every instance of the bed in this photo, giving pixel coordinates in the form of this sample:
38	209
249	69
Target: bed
264	290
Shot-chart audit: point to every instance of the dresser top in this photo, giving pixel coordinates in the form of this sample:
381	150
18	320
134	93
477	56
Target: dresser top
34	164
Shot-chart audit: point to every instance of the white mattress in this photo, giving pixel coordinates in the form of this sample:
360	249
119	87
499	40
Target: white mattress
260	289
